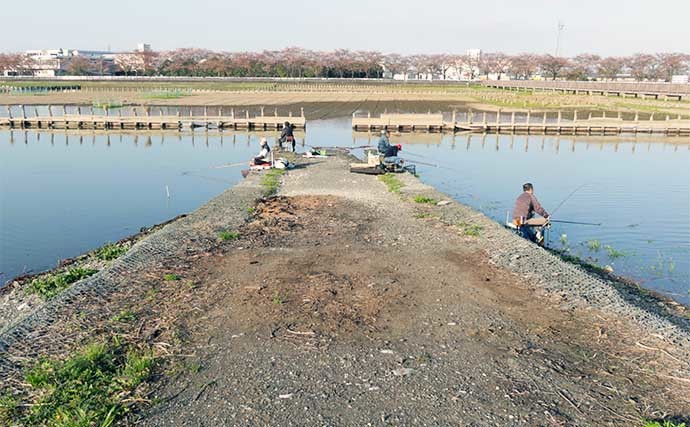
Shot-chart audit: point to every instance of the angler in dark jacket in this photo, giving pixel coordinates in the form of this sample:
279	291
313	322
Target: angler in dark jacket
385	147
526	206
287	135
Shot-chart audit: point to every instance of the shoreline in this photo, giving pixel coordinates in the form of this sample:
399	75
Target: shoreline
190	250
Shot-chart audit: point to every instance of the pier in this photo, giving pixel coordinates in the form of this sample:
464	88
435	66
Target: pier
528	123
665	91
147	121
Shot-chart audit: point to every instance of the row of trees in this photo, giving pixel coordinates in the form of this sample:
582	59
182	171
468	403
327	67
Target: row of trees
296	62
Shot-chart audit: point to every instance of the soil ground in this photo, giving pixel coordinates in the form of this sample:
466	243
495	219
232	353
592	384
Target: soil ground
344	304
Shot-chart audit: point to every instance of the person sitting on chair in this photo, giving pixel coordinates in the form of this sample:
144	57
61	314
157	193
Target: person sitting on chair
389	152
525	207
287	136
264	157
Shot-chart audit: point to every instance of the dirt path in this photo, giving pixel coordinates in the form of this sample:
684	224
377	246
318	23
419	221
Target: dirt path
341	304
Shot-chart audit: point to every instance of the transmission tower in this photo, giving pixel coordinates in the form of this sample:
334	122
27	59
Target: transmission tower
559	34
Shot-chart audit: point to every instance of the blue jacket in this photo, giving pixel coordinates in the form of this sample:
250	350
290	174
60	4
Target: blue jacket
384	144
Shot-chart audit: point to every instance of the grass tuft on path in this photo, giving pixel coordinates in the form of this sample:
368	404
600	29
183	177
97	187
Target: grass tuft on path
392	182
271	181
424	200
91	387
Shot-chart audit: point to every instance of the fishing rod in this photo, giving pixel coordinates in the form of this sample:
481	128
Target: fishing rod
568	197
574	222
229	165
416	162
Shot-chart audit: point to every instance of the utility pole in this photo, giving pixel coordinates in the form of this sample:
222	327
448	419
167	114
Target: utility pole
561	27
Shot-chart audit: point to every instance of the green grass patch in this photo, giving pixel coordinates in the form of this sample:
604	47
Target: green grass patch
110	252
251	210
279	299
51	284
663	424
422	215
470	229
124	316
166	94
424	200
271	181
171	277
392	182
225	236
89	388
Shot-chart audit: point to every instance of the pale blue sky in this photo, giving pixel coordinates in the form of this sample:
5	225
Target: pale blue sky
606	27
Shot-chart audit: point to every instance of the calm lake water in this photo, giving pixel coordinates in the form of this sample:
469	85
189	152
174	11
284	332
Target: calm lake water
62	194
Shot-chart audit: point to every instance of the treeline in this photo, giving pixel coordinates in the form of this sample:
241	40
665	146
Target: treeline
296	62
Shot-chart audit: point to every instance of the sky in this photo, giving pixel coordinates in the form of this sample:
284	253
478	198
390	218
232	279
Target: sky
604	27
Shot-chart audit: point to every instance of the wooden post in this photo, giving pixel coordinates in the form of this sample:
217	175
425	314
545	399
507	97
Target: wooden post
651	118
220	111
512	119
637	117
619	115
23	113
498	119
262	111
529	114
301	110
560	116
604	116
470	116
64	110
9	111
50	111
484	120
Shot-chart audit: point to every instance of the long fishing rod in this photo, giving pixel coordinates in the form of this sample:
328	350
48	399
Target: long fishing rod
574	222
568	197
229	165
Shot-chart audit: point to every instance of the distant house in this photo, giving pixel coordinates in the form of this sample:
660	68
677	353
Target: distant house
54	62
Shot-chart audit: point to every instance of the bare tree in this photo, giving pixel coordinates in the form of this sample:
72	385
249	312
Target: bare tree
552	66
671	64
644	67
610	67
495	63
524	65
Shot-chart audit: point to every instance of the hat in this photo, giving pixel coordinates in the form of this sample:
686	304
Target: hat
263	141
384	131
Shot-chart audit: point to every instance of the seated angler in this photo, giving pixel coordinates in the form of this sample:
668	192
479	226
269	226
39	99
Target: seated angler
389	152
264	156
526	206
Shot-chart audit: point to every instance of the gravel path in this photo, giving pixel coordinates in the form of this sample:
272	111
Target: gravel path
344	304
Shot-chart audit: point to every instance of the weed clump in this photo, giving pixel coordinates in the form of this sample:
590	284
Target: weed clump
225	236
470	229
91	387
110	252
271	181
49	285
392	182
171	277
424	200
